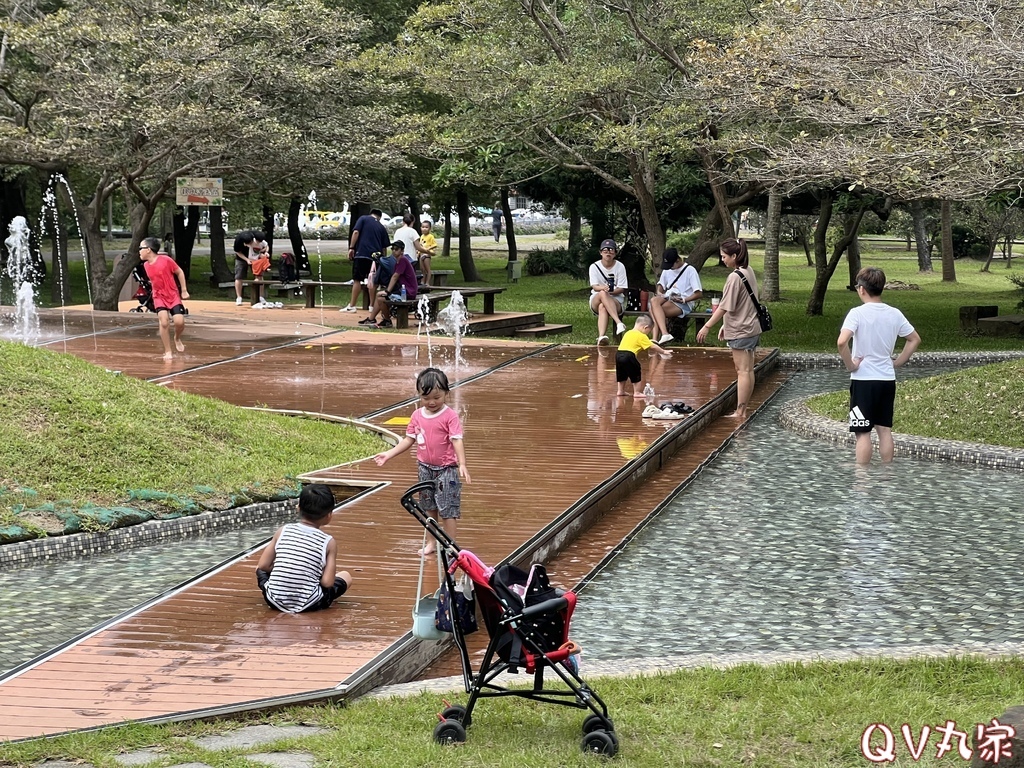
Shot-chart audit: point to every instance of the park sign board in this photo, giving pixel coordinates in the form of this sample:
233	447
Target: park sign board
192	190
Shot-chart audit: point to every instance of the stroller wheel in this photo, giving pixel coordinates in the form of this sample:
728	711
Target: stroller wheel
600	743
454	713
449	732
597	723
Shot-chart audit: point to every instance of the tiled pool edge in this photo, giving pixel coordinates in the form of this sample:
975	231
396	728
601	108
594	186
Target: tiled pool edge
798	418
53	548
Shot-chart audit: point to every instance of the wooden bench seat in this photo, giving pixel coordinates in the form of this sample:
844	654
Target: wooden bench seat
677	326
309	291
439	277
469	292
259	286
400	309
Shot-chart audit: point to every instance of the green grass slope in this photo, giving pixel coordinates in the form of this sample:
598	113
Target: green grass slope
74	435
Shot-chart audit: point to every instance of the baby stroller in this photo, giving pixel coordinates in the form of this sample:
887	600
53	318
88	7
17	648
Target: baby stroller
527	621
144	293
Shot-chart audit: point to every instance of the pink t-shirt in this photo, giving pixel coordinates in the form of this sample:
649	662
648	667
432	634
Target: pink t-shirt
161	273
433	433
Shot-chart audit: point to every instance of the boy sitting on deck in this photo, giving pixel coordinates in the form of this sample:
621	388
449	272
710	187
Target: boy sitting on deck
295	573
627	367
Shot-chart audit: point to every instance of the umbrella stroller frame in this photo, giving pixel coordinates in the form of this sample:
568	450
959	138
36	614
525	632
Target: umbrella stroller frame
528	623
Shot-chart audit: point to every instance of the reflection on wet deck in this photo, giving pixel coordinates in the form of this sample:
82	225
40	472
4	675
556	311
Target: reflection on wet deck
543	428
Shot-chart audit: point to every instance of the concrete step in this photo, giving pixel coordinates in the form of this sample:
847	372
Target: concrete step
543	330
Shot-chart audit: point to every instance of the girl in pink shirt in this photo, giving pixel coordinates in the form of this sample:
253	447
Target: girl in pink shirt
436	431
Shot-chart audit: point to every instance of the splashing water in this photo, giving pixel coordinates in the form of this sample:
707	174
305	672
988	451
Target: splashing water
22	272
423	315
454	320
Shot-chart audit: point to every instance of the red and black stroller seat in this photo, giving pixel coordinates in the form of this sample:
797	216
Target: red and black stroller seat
525	642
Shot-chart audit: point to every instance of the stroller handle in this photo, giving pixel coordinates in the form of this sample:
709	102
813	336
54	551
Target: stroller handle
433	528
409	502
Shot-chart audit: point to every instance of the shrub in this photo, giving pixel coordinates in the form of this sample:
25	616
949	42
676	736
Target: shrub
1018	280
682	241
544	262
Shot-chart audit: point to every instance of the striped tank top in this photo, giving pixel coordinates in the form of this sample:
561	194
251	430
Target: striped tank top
299	559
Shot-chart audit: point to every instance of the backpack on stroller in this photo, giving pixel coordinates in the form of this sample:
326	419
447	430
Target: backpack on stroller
144	293
527	620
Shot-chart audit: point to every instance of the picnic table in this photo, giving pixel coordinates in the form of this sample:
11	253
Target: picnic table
309	291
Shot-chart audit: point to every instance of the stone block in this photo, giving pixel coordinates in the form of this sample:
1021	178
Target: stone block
970	315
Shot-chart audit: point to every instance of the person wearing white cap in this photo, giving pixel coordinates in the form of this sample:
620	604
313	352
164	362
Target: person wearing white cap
608	286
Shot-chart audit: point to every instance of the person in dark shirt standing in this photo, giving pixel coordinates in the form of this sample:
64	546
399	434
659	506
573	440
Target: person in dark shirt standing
248	246
369	237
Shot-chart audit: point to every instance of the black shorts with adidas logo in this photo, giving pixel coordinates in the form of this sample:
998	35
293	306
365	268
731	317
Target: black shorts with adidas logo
871	404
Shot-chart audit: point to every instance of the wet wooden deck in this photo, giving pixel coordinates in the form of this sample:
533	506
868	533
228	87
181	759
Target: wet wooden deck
543	429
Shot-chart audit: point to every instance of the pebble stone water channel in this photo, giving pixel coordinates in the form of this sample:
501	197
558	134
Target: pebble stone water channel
781	546
784	546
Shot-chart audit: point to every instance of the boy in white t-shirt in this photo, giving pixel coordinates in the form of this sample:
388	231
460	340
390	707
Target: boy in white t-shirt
873	328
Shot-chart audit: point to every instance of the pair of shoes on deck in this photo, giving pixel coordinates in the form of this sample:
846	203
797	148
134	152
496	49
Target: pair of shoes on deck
668	412
654	412
678	407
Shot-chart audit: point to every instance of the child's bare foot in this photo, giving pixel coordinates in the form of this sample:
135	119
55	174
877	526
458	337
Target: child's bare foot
426	551
620	394
179	346
168	355
639	395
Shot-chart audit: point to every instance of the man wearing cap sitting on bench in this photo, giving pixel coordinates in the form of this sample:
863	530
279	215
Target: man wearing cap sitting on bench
678	291
404	276
608	286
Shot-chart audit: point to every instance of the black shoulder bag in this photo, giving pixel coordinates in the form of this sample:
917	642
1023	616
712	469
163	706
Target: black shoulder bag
763	316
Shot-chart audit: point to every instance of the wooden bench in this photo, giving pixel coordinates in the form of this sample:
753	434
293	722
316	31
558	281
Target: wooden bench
469	292
677	326
439	277
283	289
258	286
309	291
400	309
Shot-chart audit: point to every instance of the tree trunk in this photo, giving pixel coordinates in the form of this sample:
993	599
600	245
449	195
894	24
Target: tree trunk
1008	250
446	248
185	237
469	274
167	229
816	301
992	245
268	227
295	234
644	186
769	287
711	230
572	207
948	264
510	231
105	286
218	262
853	260
60	281
924	251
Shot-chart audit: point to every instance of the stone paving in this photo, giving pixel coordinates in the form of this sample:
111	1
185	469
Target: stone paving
241	740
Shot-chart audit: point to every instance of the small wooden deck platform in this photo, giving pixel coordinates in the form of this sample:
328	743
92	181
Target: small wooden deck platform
543	431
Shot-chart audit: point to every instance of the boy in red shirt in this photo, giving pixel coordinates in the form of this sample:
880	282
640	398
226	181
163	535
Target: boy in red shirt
164	277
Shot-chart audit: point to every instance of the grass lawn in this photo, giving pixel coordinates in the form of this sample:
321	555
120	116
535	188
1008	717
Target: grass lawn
782	716
76	439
